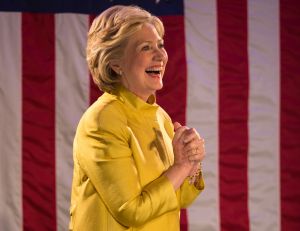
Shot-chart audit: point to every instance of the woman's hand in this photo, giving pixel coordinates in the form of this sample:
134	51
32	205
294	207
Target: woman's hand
188	145
188	149
194	148
179	145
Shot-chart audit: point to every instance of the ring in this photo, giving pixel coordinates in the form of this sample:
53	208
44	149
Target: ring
195	150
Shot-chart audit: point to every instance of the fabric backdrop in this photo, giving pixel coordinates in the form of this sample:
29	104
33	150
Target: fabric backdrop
233	74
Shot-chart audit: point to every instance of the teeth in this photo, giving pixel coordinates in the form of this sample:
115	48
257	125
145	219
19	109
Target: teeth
154	69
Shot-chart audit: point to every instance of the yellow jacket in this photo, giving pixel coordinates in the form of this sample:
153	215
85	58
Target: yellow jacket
121	149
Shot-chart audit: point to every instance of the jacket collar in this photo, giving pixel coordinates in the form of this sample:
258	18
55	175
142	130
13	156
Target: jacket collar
134	101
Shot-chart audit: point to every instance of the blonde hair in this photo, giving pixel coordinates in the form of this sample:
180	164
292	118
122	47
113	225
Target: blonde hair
107	38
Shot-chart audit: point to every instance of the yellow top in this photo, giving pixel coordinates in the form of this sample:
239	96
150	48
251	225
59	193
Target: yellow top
121	149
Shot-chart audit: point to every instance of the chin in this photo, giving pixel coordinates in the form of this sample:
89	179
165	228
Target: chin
160	87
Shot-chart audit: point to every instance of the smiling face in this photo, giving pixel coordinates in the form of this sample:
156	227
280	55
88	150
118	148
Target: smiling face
144	62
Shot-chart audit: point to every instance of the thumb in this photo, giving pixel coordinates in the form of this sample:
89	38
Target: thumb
176	126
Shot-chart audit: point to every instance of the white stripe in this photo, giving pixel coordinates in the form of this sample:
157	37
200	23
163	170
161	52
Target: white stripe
72	98
10	122
264	186
202	105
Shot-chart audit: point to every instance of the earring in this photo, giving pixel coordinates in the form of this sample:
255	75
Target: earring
120	72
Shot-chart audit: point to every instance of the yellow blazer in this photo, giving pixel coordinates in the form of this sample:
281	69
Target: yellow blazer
122	147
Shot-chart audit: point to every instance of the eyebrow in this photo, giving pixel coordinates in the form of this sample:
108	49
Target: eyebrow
141	42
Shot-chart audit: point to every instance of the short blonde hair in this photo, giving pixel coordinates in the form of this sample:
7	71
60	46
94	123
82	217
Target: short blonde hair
107	38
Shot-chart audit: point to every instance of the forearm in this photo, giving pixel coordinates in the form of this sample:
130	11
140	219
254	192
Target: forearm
177	174
155	199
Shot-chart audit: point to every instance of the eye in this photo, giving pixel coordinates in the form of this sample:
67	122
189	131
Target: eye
161	45
146	48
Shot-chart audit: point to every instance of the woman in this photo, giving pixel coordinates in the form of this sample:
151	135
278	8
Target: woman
131	171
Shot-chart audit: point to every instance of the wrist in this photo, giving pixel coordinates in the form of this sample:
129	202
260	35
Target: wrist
177	173
181	168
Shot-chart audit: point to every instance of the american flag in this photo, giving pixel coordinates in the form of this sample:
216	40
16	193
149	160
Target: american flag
233	74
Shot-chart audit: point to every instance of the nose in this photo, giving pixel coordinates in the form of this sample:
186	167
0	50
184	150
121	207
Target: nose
160	54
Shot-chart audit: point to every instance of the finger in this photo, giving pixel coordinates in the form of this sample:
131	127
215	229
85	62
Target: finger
176	126
195	152
198	157
178	133
192	134
194	145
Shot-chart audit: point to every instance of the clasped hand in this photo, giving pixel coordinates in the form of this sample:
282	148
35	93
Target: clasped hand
188	147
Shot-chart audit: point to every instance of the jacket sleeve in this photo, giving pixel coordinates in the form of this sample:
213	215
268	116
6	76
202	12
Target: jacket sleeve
103	152
188	192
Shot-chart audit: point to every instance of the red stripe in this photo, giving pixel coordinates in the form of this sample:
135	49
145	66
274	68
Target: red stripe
94	90
290	114
183	220
233	114
173	96
38	122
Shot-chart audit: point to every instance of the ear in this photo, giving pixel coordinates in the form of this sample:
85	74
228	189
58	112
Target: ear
115	65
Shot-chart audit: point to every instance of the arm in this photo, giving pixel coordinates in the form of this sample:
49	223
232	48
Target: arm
185	141
194	185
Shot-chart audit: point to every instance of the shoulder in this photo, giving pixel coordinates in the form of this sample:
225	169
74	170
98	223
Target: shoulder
164	114
106	114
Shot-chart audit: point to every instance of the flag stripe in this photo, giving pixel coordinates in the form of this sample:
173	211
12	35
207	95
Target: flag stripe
72	98
38	121
290	114
10	122
202	105
233	114
264	175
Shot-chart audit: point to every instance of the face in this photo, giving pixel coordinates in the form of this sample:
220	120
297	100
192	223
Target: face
144	62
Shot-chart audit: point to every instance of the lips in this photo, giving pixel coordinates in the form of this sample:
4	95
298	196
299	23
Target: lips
154	71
